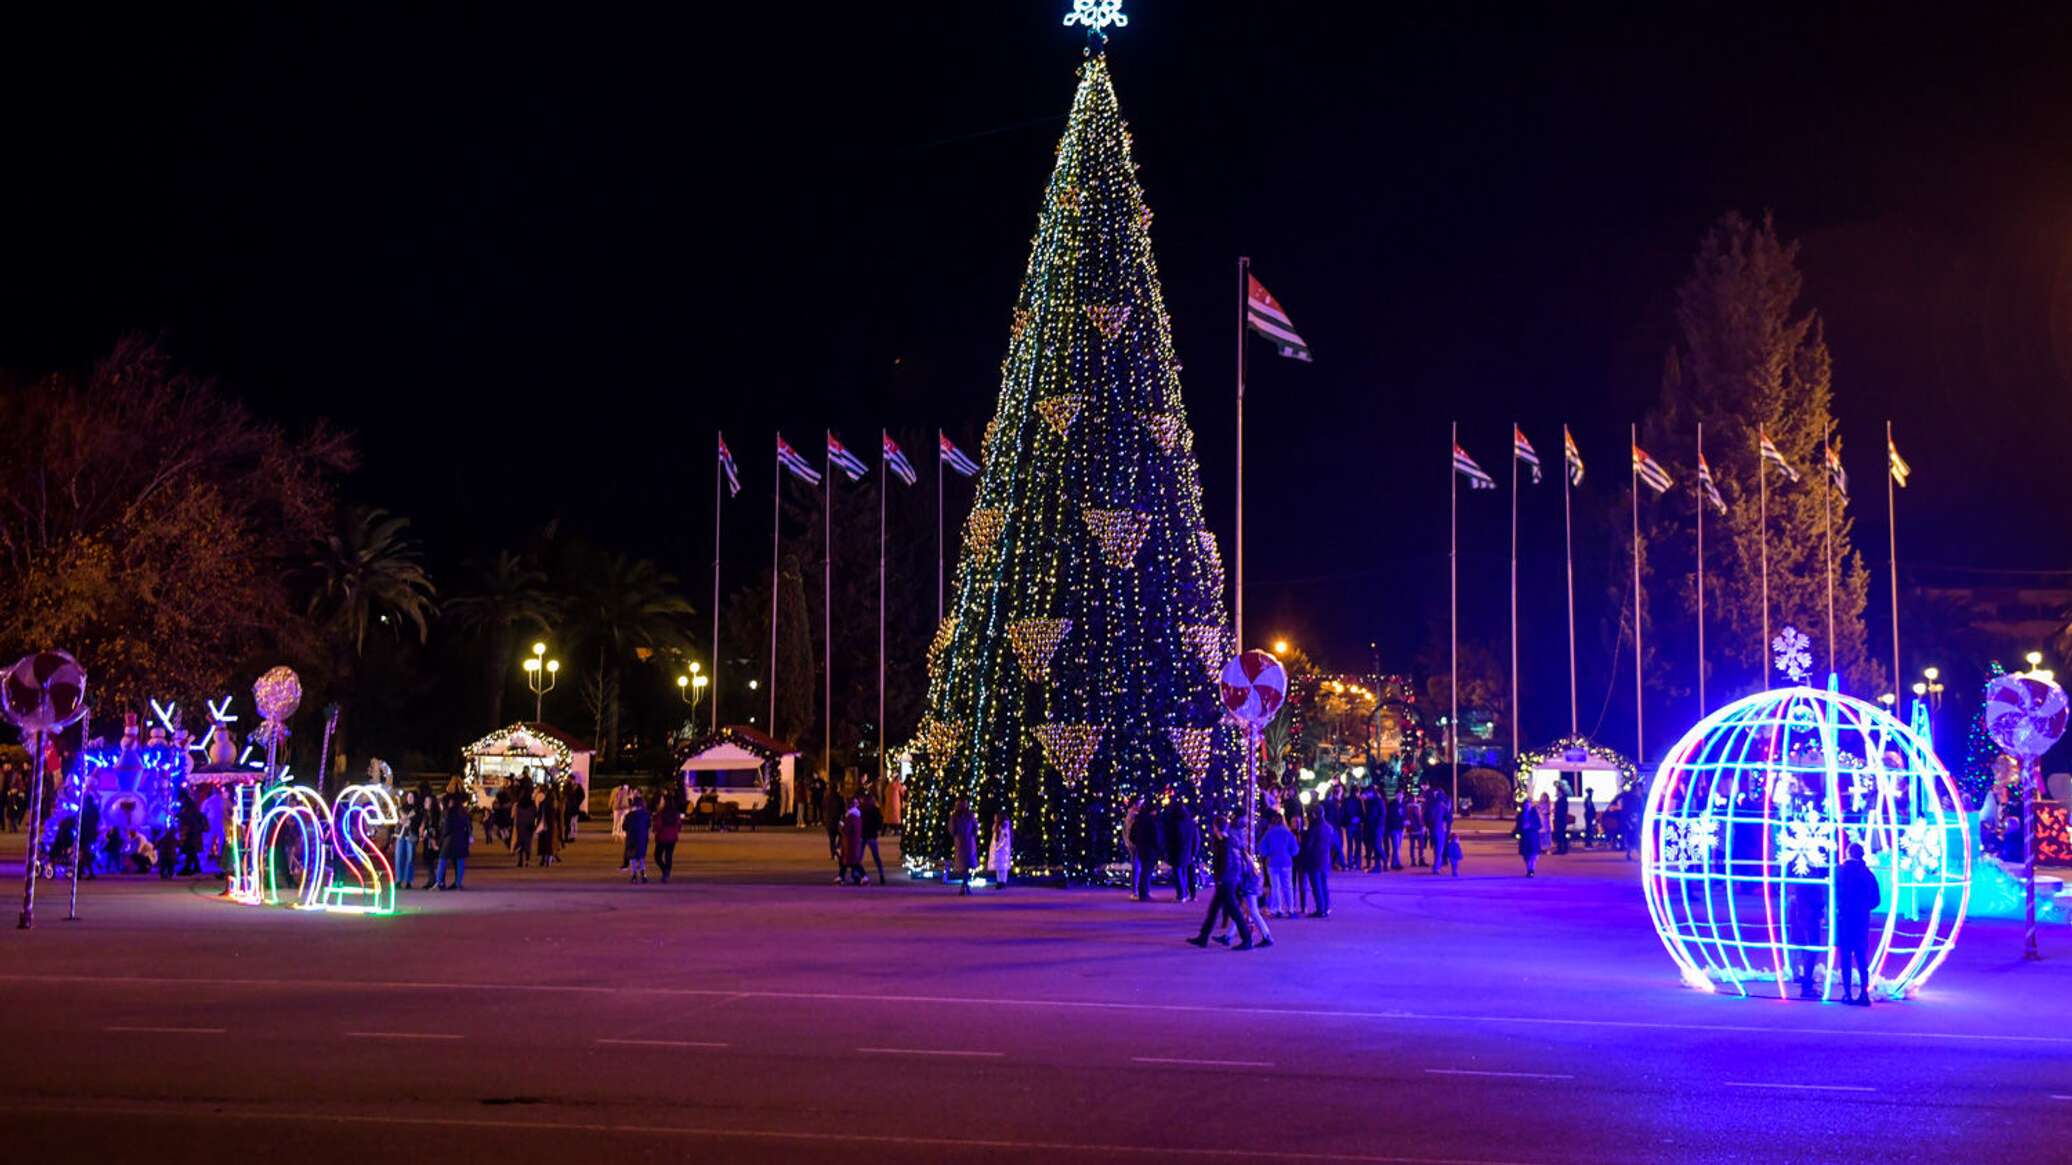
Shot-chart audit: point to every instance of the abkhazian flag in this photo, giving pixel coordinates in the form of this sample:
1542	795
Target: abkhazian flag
1572	455
1711	489
1263	315
1774	456
896	461
1651	472
953	457
726	466
1466	467
839	456
1900	468
794	464
1522	449
1835	472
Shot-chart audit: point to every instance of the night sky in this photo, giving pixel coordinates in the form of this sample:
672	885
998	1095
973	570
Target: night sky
535	255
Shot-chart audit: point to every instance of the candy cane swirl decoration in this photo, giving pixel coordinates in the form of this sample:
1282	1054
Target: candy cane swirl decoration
2025	714
44	692
1254	686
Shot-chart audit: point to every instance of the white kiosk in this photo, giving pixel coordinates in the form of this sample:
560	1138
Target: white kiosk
1580	766
741	768
526	749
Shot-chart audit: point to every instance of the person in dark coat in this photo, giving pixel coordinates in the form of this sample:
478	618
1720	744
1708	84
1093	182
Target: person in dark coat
193	826
1589	820
453	848
1856	895
1560	823
1805	918
550	826
635	826
1313	861
1146	847
1439	821
873	828
668	828
1392	826
963	844
831	817
89	831
1181	834
525	821
1228	860
1529	830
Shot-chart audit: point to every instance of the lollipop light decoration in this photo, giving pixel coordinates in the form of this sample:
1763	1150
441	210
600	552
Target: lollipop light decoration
43	694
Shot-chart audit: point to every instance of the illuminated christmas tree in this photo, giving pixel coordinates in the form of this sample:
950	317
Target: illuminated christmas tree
1076	666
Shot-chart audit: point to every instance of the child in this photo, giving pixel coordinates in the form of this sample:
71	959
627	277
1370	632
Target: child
1453	853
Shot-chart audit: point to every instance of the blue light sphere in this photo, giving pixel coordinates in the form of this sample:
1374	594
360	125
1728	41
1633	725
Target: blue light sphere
1755	809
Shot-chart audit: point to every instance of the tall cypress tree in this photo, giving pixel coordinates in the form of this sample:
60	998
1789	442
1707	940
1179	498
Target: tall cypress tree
1075	668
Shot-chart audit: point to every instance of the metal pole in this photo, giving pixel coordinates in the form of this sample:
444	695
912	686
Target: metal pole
1568	554
1453	611
1701	576
1827	538
1892	548
776	509
1252	784
1640	738
1244	274
827	611
882	483
717	485
31	860
81	849
938	527
1514	592
1762	541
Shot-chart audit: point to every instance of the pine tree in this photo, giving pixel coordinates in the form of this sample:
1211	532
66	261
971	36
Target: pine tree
1981	753
1751	358
1075	668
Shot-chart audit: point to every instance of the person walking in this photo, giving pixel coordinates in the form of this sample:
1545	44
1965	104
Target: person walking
1414	830
549	827
832	812
525	821
963	843
1439	819
1560	822
1279	849
1529	830
633	823
668	827
453	847
1589	820
1145	846
1319	842
1224	859
873	828
1856	895
849	858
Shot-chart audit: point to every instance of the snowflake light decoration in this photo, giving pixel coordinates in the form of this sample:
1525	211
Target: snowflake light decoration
1690	842
1805	843
1794	654
1097	15
1921	848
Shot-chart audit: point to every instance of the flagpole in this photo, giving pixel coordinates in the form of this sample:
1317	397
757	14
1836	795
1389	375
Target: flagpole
776	520
938	527
1244	271
1762	537
1640	739
882	438
1568	554
717	485
1453	611
1701	573
827	610
1514	591
1827	537
1892	548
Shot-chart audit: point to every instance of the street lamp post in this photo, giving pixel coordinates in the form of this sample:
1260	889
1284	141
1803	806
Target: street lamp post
691	688
540	674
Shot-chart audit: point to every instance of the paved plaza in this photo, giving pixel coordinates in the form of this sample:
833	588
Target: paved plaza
752	1011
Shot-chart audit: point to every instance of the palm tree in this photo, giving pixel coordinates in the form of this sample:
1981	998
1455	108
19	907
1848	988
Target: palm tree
368	572
629	606
509	593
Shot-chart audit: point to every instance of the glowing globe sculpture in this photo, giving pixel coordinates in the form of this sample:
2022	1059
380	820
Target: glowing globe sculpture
1755	809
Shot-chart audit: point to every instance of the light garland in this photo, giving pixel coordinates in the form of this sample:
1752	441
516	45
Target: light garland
1164	429
981	529
1108	318
1761	800
1207	642
1193	745
520	736
1035	641
1060	411
1120	533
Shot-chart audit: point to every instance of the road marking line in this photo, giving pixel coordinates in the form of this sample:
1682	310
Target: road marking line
1505	1075
403	1036
1219	1010
166	1031
725	1132
2055	1096
1801	1087
1203	1063
928	1052
662	1043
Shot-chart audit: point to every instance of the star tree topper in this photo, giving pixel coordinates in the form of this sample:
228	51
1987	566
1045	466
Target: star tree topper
1097	15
